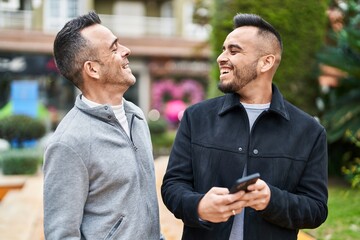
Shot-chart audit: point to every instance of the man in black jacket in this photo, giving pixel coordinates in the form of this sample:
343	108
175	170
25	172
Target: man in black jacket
251	129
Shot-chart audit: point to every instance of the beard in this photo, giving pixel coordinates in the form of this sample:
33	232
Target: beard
118	77
242	77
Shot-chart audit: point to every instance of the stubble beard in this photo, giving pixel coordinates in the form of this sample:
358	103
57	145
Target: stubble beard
242	77
119	78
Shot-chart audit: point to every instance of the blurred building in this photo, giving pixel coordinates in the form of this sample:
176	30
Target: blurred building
165	42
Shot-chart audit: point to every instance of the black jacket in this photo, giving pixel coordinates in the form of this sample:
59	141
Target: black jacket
286	146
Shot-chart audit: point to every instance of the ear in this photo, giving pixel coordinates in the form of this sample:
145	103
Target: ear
92	69
267	62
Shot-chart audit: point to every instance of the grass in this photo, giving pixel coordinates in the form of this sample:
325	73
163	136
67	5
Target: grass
343	222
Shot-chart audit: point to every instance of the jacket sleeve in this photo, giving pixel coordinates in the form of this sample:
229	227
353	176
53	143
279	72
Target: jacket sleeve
66	185
307	206
178	189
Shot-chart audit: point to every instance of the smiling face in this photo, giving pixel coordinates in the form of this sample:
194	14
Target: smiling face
238	62
111	56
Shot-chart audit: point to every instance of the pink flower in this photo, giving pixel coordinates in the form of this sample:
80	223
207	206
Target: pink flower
190	91
174	110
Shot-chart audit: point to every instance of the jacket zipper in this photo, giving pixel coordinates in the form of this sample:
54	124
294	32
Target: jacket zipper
131	137
114	228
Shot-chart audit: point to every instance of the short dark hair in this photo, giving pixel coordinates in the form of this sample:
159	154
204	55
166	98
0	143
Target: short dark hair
71	49
246	19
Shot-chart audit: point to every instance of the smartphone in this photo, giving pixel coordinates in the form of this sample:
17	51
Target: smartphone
244	182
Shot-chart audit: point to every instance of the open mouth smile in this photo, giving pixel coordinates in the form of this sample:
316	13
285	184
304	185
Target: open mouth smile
224	70
125	66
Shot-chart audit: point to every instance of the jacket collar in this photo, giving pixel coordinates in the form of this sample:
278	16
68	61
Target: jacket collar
103	111
277	104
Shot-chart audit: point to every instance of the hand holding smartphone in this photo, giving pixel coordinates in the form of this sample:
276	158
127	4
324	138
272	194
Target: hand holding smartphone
244	182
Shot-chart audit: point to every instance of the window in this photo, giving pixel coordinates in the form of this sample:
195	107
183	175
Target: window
58	12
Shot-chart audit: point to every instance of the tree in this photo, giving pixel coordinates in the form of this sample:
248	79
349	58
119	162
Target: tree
342	112
302	27
342	103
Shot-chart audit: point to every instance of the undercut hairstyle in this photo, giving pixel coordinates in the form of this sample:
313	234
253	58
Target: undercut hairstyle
72	50
266	30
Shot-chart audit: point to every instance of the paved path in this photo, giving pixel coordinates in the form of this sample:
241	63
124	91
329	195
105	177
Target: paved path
171	227
21	209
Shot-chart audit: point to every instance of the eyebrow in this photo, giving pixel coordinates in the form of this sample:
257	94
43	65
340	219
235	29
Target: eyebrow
113	43
235	46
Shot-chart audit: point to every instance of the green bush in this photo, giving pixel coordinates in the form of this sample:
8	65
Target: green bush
163	142
21	128
158	126
20	161
161	137
302	25
351	161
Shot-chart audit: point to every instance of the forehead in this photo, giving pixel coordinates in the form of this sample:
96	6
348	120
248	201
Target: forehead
244	36
98	35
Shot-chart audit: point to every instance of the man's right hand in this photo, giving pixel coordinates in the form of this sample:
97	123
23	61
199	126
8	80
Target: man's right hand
218	205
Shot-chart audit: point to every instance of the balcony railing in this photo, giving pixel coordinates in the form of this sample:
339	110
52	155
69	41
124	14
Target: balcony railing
16	19
123	25
139	25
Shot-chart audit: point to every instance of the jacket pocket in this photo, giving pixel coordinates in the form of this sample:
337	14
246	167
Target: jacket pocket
114	229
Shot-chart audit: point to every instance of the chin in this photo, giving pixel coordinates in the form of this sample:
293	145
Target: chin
226	88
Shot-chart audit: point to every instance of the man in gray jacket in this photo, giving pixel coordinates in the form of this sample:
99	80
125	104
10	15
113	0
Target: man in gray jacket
99	178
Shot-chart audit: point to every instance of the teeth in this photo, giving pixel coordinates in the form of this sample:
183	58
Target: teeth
224	70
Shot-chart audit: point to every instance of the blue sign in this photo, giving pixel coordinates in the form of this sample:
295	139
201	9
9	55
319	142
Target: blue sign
24	97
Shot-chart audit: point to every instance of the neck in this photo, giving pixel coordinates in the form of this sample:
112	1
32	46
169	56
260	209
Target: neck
103	95
256	94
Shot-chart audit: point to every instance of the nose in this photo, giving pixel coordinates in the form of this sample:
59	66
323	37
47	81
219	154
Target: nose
125	51
221	58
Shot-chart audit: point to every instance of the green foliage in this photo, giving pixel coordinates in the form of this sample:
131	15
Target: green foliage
20	161
302	27
21	128
352	173
163	142
157	127
165	139
162	138
351	168
342	109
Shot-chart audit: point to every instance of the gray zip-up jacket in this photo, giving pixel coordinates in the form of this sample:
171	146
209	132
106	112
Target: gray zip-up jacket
99	183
